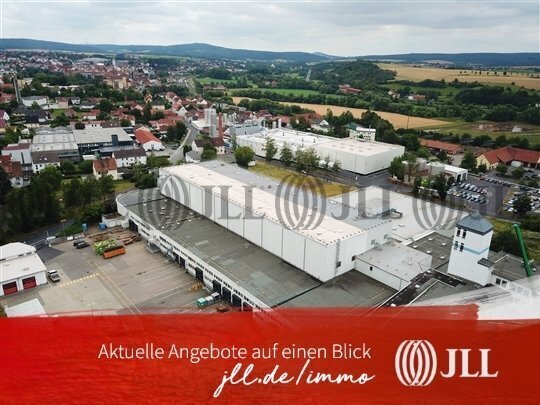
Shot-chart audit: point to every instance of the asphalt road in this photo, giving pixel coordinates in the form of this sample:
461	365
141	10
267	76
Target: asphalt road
178	154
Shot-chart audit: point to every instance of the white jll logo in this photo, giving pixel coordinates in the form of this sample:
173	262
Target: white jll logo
416	363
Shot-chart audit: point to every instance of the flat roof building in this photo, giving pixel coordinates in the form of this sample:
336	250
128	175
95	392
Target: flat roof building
323	239
355	155
59	140
89	140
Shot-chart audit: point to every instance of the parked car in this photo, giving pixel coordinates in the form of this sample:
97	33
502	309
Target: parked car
82	245
53	276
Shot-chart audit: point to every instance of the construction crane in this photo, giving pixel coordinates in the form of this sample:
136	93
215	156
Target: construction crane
526	261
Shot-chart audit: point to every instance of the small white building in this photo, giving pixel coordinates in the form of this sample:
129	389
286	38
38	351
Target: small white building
470	248
42	101
41	160
129	157
20	268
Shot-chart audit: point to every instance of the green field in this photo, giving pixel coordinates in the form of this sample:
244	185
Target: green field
532	132
286	92
314	185
210	80
531	239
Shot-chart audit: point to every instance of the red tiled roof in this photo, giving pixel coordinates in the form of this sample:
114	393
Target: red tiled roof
218	142
143	135
508	153
105	164
11	167
449	147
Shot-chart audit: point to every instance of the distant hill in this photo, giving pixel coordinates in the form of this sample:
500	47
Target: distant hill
195	50
475	59
198	50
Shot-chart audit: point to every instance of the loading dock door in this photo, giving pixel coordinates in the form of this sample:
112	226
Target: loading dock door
247	308
236	301
29	282
226	294
199	274
10	288
182	261
216	287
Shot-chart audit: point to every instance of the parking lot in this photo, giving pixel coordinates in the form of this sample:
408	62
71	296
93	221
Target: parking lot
479	193
133	283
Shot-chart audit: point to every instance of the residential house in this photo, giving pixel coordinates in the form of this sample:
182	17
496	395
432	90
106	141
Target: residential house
129	157
320	125
147	140
41	160
105	166
41	101
14	170
20	152
4	115
62	103
510	155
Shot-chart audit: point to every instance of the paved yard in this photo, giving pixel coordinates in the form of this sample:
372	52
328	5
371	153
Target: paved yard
134	283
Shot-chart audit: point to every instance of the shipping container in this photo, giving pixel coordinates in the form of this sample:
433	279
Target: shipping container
118	250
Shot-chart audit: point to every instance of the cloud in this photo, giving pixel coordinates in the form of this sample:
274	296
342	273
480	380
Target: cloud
341	28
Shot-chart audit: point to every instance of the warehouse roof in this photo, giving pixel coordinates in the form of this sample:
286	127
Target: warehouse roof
352	289
53	139
298	139
96	135
255	270
275	201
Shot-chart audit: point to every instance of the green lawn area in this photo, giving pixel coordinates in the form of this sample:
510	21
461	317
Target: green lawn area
286	92
447	91
531	132
531	239
208	80
123	185
321	187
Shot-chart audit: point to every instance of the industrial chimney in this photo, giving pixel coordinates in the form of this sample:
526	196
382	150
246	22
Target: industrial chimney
220	125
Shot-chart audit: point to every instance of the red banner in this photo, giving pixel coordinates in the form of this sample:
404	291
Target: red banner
307	356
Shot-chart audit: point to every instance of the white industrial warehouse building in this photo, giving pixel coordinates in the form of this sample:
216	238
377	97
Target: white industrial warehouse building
355	155
228	227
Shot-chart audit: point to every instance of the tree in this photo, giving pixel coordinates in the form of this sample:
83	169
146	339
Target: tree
270	149
73	197
397	168
522	205
416	186
423	152
5	185
125	122
468	162
106	186
105	105
442	156
60	121
147	180
336	167
52	177
412	166
482	168
68	167
501	169
518	172
441	186
306	160
286	155
79	125
209	153
243	155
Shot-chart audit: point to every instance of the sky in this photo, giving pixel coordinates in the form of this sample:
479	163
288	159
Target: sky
344	28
